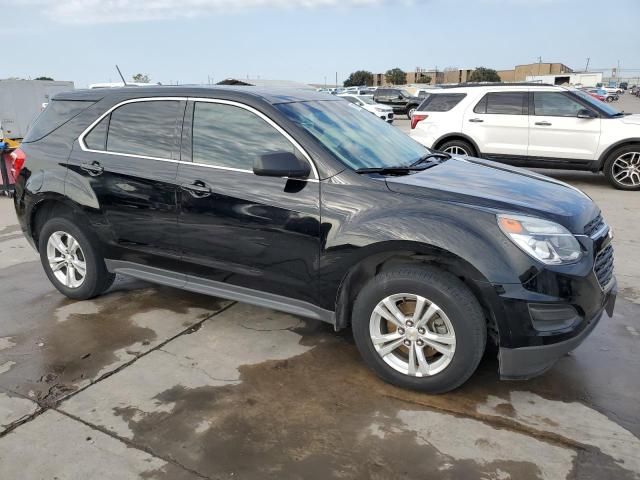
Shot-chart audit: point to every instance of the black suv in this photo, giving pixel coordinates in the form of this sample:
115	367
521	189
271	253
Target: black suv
400	100
299	202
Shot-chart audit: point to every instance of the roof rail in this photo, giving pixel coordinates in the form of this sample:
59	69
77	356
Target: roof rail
499	84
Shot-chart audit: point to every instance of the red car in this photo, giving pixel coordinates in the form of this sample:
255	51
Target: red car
596	95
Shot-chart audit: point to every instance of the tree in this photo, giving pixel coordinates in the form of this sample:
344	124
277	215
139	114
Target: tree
422	78
482	74
395	76
141	78
45	78
359	77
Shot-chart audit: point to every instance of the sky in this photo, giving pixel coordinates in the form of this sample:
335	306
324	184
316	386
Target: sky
192	41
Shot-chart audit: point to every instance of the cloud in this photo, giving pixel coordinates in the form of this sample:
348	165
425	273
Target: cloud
113	11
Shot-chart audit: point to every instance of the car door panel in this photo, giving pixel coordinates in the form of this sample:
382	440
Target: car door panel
256	232
555	131
503	133
135	196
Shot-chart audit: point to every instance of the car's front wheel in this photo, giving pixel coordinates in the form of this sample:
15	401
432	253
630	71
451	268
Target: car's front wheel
71	261
622	168
411	110
419	327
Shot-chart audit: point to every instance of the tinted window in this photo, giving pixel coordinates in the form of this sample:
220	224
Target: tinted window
57	113
555	104
352	100
96	139
503	103
441	102
144	128
228	136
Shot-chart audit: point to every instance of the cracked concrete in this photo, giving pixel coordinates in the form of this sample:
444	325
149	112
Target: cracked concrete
151	382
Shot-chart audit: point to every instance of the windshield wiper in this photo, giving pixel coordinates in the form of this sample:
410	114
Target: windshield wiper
397	169
429	156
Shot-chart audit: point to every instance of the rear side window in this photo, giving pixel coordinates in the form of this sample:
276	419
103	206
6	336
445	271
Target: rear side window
232	137
503	103
147	129
57	113
441	102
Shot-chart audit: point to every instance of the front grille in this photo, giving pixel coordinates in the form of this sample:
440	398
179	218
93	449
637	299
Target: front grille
603	266
594	225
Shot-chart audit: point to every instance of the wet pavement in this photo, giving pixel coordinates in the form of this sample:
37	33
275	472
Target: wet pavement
153	382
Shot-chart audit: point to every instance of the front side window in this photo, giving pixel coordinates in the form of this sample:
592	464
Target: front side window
555	104
357	140
233	137
143	128
503	103
441	102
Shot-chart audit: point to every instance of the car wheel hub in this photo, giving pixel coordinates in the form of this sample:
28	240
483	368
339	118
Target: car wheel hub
626	169
66	259
412	335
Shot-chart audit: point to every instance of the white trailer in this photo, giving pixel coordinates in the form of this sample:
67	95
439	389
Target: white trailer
584	79
21	101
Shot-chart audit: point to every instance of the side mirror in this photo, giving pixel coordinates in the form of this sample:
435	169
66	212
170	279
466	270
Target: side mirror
586	113
281	164
400	97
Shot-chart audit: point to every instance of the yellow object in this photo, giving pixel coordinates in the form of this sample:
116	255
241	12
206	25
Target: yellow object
12	144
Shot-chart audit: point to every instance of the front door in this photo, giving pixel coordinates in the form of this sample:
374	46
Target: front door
556	132
499	124
127	164
256	232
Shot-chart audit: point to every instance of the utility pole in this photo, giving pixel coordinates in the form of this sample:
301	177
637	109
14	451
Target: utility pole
325	81
586	69
336	79
539	64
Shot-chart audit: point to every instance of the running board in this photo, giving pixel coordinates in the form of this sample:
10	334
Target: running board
221	289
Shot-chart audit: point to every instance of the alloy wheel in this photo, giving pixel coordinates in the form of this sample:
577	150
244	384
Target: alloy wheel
412	335
456	150
66	259
626	169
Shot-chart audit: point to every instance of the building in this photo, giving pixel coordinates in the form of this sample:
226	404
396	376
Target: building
461	75
586	79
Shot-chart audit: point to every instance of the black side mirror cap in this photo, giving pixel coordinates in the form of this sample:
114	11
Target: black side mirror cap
281	164
586	113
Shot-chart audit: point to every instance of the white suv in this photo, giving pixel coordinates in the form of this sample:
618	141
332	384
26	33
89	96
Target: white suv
533	126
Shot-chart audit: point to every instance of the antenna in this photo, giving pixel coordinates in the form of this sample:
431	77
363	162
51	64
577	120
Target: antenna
121	76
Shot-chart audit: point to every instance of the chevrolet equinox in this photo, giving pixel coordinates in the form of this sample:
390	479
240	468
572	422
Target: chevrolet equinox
307	204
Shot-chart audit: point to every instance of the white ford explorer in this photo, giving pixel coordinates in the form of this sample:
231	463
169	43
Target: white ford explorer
533	125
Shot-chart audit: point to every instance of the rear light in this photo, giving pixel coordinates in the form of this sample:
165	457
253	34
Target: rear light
17	162
417	118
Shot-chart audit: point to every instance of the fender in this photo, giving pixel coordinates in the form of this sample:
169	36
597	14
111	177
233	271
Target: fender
446	136
603	157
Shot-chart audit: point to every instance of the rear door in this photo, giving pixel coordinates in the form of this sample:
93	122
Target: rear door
556	132
127	164
236	227
499	123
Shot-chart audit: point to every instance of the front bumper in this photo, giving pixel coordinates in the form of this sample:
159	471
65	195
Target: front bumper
527	362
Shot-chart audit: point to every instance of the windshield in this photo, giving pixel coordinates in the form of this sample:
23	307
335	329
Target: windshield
366	100
597	103
405	93
357	138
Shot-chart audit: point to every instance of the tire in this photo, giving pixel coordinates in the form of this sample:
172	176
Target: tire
96	279
458	147
615	166
461	310
410	110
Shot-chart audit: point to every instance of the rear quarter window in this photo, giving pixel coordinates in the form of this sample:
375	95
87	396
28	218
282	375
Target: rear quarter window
441	102
57	113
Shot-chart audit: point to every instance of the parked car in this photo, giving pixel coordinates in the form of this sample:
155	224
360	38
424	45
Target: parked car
614	90
383	111
623	85
603	95
533	125
399	99
296	201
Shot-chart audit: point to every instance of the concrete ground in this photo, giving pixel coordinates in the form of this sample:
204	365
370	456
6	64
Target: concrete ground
155	383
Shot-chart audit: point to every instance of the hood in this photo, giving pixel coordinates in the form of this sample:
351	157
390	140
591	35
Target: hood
500	188
631	119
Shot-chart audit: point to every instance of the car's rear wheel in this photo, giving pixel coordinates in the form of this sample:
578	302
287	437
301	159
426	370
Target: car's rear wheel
458	147
419	328
71	261
622	168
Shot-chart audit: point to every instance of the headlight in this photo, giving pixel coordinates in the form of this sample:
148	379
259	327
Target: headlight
546	241
379	109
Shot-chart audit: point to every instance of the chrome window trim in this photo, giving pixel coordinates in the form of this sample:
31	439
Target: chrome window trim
256	112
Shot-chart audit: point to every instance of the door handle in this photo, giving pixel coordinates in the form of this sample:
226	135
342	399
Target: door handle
94	168
543	124
476	120
197	189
